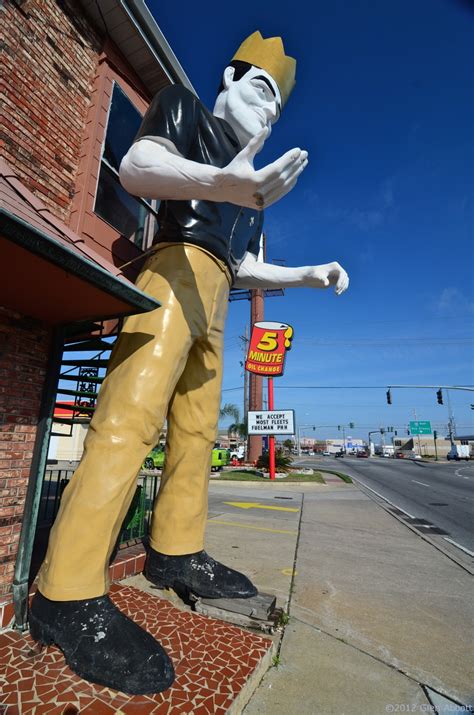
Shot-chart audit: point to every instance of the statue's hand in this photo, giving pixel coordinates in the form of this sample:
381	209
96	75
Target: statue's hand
240	184
328	274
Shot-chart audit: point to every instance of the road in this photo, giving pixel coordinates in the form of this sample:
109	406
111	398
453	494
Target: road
442	495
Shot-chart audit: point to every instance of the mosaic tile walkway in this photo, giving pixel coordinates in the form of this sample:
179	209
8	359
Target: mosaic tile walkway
213	662
128	562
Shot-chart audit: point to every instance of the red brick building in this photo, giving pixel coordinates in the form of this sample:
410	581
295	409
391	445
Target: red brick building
77	77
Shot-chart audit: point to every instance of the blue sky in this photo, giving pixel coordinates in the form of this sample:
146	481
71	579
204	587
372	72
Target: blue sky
384	104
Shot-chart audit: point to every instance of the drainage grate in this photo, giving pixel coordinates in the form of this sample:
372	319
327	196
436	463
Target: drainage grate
398	512
432	530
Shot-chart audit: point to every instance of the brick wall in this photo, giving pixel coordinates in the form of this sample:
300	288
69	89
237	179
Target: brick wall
50	60
24	347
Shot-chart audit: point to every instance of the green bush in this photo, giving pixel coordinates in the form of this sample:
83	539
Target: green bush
282	461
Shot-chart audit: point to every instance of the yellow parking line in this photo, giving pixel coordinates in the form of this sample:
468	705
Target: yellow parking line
255	528
256	505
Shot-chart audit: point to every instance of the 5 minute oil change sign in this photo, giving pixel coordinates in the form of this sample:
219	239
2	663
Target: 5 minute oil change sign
269	344
271	422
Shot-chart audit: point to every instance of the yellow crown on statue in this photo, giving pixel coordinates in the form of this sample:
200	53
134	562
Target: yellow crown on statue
270	56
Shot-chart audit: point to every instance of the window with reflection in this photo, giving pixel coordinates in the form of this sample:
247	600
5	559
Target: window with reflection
133	217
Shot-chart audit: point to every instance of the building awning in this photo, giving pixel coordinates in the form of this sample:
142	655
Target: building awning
47	271
132	27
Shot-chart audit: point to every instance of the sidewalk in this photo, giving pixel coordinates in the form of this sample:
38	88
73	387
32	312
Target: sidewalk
376	613
377	618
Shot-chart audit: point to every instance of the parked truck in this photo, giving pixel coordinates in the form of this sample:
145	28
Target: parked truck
156	458
459	451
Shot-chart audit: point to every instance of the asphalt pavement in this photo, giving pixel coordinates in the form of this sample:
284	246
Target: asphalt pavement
440	494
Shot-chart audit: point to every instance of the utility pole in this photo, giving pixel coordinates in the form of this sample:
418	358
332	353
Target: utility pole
245	343
255	381
451	422
371	449
419	442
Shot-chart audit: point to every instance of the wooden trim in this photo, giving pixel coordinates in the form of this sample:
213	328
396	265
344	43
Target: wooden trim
95	231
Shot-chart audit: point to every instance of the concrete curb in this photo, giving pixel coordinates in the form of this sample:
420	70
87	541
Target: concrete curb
252	683
438	545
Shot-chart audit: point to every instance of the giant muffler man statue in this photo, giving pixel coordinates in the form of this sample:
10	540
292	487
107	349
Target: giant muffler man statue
167	364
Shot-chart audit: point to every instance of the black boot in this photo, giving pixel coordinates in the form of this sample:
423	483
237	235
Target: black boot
102	645
198	574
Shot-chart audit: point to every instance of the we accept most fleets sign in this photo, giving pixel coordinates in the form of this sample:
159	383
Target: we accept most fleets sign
268	346
271	422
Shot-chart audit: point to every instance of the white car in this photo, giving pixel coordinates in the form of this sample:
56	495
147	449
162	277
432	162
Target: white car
326	454
238	453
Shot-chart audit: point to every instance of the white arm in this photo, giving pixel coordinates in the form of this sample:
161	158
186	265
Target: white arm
154	169
255	274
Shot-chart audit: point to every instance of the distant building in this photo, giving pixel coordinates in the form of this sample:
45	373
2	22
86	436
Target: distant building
333	446
424	445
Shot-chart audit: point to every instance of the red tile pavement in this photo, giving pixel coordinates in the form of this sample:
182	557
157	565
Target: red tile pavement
213	661
128	562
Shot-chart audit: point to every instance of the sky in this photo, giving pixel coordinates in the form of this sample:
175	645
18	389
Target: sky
384	104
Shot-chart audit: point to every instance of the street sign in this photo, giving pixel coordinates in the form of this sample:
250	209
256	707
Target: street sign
420	427
271	422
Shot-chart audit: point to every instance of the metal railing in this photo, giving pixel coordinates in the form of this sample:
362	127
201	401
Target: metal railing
136	524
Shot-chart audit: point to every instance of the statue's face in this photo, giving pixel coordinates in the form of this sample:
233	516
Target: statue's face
250	103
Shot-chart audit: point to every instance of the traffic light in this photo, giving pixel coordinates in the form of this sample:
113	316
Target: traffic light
408	431
351	425
389	397
395	433
439	396
435	434
339	427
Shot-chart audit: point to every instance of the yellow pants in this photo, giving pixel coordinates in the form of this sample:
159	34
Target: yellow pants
166	363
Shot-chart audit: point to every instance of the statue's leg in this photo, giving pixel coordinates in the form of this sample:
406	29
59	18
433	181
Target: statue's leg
146	364
176	557
180	513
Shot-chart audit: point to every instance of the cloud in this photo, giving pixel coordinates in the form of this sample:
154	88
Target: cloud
453	302
365	218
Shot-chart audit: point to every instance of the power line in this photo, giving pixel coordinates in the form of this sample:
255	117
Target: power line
384	342
469	388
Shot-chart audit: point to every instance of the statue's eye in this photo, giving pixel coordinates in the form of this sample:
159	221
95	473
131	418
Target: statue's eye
261	88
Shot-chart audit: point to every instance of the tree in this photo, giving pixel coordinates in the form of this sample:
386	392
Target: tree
288	445
237	427
282	461
230	410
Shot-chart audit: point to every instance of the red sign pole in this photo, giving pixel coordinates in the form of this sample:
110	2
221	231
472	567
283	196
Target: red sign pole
271	438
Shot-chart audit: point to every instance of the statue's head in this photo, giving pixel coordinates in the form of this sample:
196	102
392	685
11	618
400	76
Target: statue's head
255	86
